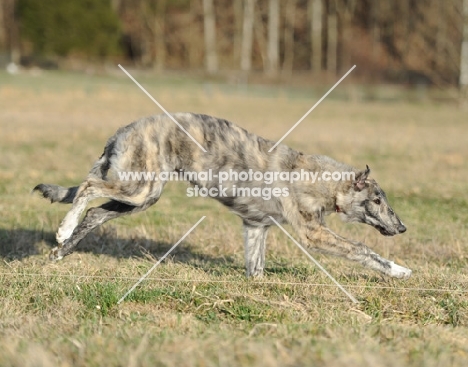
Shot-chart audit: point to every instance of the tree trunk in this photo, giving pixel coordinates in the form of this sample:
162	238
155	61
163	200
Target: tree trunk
115	4
345	9
464	56
332	42
11	30
247	35
346	39
441	34
3	41
147	33
273	37
374	14
406	10
159	35
193	37
315	9
259	31
290	15
211	57
238	15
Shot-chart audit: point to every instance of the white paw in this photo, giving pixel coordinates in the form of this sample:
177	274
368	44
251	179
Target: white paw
397	271
55	254
255	273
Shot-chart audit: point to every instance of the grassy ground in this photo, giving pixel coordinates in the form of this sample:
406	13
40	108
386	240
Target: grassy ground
197	308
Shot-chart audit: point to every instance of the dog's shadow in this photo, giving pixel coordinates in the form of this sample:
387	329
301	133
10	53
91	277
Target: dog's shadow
19	244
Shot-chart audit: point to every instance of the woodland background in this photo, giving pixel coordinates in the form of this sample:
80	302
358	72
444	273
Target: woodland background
422	42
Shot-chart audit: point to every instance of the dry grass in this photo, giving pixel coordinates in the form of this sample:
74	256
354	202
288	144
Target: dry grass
199	310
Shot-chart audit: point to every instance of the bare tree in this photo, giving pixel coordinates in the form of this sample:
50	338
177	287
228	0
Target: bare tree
406	20
273	37
115	4
12	30
159	35
153	14
464	55
441	32
345	9
238	16
290	15
247	35
332	40
211	57
193	37
259	30
375	29
315	11
2	27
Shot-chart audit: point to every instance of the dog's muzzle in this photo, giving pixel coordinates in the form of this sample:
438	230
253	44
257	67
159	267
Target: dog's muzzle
400	229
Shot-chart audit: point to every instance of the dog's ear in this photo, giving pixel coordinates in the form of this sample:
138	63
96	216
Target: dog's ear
360	179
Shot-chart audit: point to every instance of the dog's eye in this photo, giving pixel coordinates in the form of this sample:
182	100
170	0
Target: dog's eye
377	201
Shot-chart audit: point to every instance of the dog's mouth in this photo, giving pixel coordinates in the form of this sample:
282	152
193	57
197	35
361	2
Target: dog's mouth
384	231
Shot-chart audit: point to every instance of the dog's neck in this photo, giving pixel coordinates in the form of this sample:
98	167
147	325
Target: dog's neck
341	197
334	193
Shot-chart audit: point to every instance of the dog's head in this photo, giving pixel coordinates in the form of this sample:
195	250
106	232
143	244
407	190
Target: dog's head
366	202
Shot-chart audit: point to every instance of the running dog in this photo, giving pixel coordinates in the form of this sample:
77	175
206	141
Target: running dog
157	144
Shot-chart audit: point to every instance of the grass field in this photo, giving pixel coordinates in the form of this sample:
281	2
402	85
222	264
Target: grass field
197	308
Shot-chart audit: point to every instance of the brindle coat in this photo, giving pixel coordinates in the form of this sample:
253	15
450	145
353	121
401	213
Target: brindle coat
156	144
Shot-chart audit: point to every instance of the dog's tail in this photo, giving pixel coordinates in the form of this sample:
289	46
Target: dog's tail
57	193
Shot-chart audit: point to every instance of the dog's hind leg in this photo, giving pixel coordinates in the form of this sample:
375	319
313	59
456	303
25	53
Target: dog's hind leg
70	221
135	194
87	191
95	217
255	237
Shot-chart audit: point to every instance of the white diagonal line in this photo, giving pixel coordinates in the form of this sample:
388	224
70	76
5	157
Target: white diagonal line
315	261
162	108
160	260
315	105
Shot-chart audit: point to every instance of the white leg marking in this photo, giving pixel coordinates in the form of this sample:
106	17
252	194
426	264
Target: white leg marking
70	221
254	250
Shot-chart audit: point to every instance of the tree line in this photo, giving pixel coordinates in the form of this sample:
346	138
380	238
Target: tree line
404	40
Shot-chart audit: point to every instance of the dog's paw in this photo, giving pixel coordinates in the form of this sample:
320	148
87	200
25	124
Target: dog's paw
56	254
254	273
397	271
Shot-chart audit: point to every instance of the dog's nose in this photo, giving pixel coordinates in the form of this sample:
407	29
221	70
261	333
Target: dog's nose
401	228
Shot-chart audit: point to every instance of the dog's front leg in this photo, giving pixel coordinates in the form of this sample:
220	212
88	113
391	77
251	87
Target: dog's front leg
324	240
254	237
